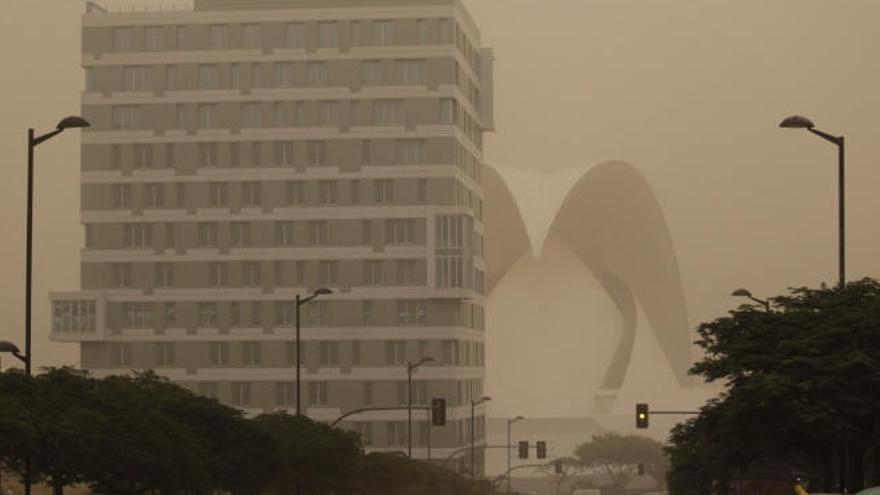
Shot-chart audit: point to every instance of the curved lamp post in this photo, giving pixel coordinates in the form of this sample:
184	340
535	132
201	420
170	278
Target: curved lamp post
72	122
748	294
510	422
800	122
474	404
410	367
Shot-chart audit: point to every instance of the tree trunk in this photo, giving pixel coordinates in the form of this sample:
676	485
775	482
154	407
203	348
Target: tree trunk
57	488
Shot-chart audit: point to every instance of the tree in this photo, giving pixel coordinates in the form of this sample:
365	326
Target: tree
619	455
799	378
16	426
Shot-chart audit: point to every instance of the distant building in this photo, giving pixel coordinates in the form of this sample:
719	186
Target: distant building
250	150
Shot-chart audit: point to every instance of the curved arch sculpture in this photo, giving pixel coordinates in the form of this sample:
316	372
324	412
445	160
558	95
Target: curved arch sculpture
609	218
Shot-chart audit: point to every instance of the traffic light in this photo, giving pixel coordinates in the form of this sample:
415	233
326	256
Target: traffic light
541	447
642	415
557	467
524	450
438	412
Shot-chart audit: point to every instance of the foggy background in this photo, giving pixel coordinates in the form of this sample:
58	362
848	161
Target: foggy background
689	92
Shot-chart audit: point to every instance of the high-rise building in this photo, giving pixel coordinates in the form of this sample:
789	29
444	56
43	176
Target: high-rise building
244	152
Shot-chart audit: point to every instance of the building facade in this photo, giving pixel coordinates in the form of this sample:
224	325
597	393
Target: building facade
244	152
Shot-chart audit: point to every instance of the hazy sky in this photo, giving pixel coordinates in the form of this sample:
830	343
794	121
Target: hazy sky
690	92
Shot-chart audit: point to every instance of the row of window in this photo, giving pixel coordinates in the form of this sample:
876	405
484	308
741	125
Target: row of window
302	35
239	234
319	353
406	272
149	78
250	193
250	314
322	113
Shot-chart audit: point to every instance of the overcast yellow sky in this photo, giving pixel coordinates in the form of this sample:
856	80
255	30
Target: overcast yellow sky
690	92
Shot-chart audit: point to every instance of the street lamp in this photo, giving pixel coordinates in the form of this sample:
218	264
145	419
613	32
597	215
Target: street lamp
474	404
299	302
410	367
746	293
799	122
66	123
9	347
73	122
510	422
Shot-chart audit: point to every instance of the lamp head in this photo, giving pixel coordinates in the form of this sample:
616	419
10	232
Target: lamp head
323	291
741	293
72	122
797	122
9	347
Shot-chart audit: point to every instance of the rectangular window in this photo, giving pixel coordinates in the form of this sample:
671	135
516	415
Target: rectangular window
170	77
219	36
285	313
412	72
328	272
154	195
137	236
209	390
387	112
180	116
300	116
301	273
411	312
218	274
154	38
317	313
250	194
169	314
317	232
355	191
318	393
295	36
317	151
251	36
218	194
367	312
256	76
170	155
366	151
251	115
123	39
327	192
354	117
256	154
295	192
208	155
383	191
327	35
234	154
410	151
257	313
209	115
207	314
317	72
241	394
143	156
284	74
447	111
127	117
164	354
121	195
121	353
327	114
406	271
138	315
284	153
373	272
137	78
284	233
278	114
400	231
383	33
422	190
219	353
164	275
329	354
251	275
372	73
285	394
209	76
423	28
395	352
207	234
181	38
234	314
241	234
251	353
367	393
367	232
356	353
235	77
180	195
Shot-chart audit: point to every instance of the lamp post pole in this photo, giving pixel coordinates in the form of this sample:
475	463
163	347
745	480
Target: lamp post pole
509	446
474	404
410	367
